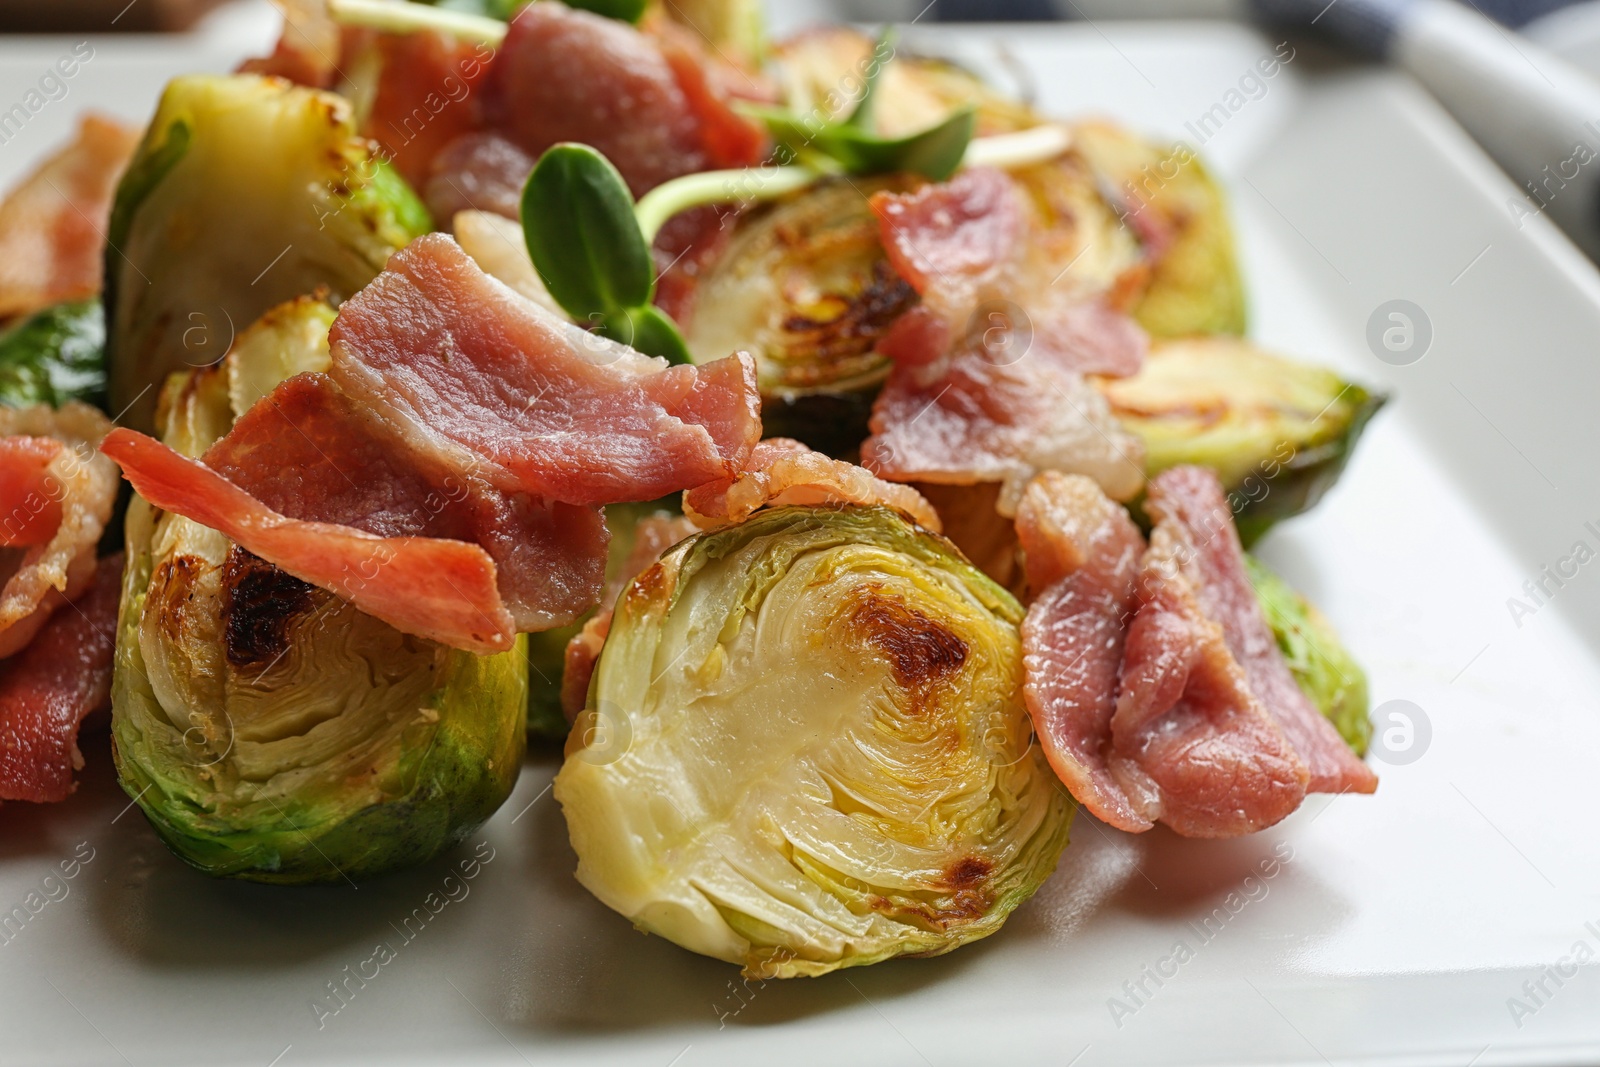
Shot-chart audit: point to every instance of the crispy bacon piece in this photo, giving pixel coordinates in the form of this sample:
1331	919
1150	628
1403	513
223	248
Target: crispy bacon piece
966	246
56	496
1190	502
1082	552
988	379
651	537
444	475
441	589
47	689
565	75
53	225
781	471
309	47
453	360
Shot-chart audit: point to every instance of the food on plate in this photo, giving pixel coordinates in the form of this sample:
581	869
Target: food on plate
852	464
1277	432
191	267
273	731
53	225
1157	688
486	434
57	600
807	748
55	355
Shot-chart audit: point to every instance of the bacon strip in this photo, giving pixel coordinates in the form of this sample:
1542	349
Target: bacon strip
53	225
965	246
1186	715
445	475
56	496
988	378
453	361
1191	503
47	690
781	471
436	588
985	422
1082	552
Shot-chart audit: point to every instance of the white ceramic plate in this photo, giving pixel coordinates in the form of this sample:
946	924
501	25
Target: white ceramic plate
1400	930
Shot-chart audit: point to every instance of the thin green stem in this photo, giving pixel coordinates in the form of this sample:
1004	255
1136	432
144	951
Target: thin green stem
417	18
748	184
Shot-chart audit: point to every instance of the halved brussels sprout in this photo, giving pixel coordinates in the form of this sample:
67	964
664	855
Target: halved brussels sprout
245	192
55	355
806	748
1328	674
804	286
269	730
1169	199
1277	432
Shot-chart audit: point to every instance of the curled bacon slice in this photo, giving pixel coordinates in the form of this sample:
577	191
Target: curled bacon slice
1190	502
1082	552
782	471
56	496
53	225
48	689
453	360
1186	714
444	475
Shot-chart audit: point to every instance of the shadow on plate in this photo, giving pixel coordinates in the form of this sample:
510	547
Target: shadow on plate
584	968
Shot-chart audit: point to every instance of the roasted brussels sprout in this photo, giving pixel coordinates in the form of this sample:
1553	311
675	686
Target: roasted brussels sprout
805	287
245	192
55	355
268	729
1277	432
1328	674
1169	200
805	748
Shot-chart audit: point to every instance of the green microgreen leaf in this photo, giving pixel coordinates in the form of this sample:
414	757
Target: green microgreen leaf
577	216
622	10
646	329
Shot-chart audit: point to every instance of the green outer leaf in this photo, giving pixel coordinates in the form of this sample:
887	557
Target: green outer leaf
152	162
397	212
55	355
453	789
1326	671
577	216
647	329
